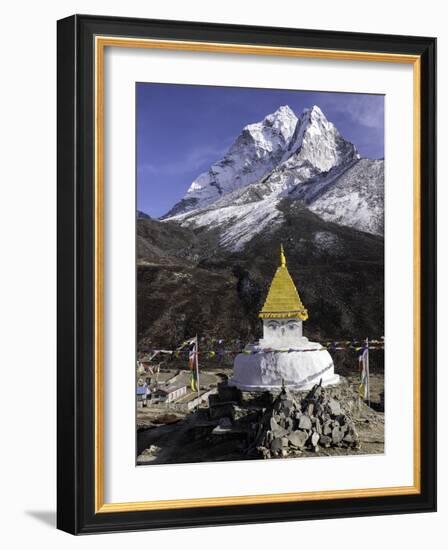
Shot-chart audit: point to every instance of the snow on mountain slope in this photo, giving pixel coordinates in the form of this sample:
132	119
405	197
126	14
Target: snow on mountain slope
350	195
256	151
237	224
356	199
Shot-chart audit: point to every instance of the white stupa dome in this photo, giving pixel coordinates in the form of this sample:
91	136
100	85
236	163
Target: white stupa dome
283	357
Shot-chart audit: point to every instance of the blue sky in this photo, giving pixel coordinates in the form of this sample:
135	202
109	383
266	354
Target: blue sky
182	130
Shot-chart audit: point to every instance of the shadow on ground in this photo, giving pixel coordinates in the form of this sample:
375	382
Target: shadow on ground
48	517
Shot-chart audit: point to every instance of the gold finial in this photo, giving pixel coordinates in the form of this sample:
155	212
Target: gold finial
282	257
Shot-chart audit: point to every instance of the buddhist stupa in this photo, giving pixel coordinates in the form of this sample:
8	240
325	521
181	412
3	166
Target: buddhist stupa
279	358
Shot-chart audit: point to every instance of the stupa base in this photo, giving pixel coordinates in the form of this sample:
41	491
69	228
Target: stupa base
268	370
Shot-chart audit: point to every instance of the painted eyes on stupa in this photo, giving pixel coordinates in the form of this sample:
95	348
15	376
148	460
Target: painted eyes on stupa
292	325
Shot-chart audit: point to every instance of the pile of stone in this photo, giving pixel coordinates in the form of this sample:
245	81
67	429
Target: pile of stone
304	422
149	454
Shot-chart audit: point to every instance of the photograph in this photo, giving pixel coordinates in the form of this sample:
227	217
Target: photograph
259	274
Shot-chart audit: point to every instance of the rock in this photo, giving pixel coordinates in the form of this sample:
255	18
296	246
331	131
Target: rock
353	432
325	441
285	441
285	395
287	404
265	452
298	438
240	412
277	430
351	437
315	439
281	420
318	425
225	422
310	409
305	422
326	430
337	435
334	407
276	445
151	450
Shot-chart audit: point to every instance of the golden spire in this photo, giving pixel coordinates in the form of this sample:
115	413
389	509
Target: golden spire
283	300
282	257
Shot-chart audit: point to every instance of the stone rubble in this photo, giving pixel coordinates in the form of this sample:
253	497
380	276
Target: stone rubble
149	453
294	424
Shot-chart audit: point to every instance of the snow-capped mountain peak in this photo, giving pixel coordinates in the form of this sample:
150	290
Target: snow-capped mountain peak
269	135
315	113
283	120
255	152
319	142
303	158
280	143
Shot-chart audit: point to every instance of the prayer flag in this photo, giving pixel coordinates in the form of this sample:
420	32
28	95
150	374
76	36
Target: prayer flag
364	370
193	364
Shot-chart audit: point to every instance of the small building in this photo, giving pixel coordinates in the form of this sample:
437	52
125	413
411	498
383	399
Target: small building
142	395
192	400
165	377
169	393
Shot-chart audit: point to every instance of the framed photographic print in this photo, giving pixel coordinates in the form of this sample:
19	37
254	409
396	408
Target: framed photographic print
246	274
